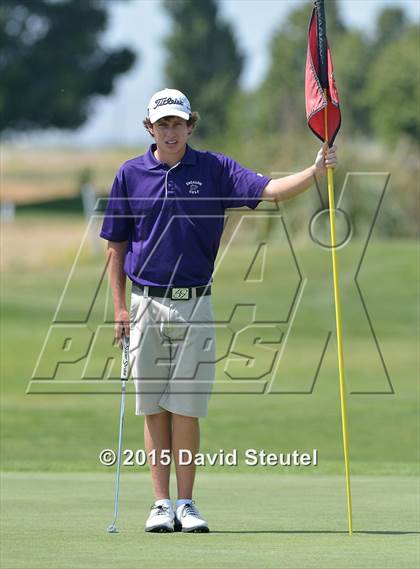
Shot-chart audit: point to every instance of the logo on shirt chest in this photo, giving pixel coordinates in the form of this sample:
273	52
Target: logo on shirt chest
194	187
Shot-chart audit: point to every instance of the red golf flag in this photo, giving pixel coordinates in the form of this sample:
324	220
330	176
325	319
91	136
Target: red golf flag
319	75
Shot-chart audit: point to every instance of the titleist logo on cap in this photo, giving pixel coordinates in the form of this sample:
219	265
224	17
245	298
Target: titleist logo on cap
168	101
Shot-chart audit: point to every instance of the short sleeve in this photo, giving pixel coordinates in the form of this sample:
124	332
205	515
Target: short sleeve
241	186
117	224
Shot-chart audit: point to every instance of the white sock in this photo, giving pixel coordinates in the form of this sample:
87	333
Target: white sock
182	502
164	502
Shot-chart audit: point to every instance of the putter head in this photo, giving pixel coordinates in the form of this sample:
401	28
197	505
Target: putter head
112	528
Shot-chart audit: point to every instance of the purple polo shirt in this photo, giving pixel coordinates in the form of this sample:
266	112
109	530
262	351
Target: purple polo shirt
173	217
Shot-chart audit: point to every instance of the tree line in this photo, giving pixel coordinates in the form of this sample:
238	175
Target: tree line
377	76
53	66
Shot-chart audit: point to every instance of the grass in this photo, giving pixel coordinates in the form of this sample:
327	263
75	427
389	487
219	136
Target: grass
57	497
43	432
38	174
257	520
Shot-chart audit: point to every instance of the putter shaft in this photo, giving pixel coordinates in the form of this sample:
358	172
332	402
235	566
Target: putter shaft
112	528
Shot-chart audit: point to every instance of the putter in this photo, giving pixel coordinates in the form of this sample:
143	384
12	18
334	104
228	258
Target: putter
112	528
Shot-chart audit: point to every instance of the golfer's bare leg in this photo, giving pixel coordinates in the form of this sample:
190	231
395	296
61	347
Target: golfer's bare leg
185	435
157	436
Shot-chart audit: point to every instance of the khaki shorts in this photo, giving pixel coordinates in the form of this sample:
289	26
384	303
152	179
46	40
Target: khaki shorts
172	354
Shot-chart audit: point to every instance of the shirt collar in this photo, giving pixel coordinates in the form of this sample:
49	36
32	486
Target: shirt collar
151	162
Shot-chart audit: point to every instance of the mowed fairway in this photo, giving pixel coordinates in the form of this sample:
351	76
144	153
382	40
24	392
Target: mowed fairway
58	521
57	499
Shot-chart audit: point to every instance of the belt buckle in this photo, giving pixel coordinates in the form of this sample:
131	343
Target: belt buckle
180	293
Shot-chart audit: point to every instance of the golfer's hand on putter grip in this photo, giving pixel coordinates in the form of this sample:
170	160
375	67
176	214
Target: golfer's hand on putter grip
326	158
122	325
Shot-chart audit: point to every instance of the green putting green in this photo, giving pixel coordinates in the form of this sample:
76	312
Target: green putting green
59	521
57	499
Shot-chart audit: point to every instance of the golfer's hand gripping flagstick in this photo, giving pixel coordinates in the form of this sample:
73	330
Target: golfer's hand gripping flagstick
112	528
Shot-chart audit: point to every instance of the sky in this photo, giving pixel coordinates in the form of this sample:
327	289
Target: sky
143	24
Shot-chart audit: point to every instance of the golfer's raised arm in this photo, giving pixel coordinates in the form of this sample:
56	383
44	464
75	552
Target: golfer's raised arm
117	279
281	189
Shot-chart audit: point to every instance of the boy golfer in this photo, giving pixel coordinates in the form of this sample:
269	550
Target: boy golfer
163	224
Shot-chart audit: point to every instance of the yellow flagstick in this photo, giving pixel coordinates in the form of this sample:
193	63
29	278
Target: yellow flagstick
343	402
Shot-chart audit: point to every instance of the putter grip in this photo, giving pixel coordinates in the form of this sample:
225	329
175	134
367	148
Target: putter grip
125	358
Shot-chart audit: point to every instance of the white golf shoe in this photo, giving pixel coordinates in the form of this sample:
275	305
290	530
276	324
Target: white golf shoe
189	519
161	519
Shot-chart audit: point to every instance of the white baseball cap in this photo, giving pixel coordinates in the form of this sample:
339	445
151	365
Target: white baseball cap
168	102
